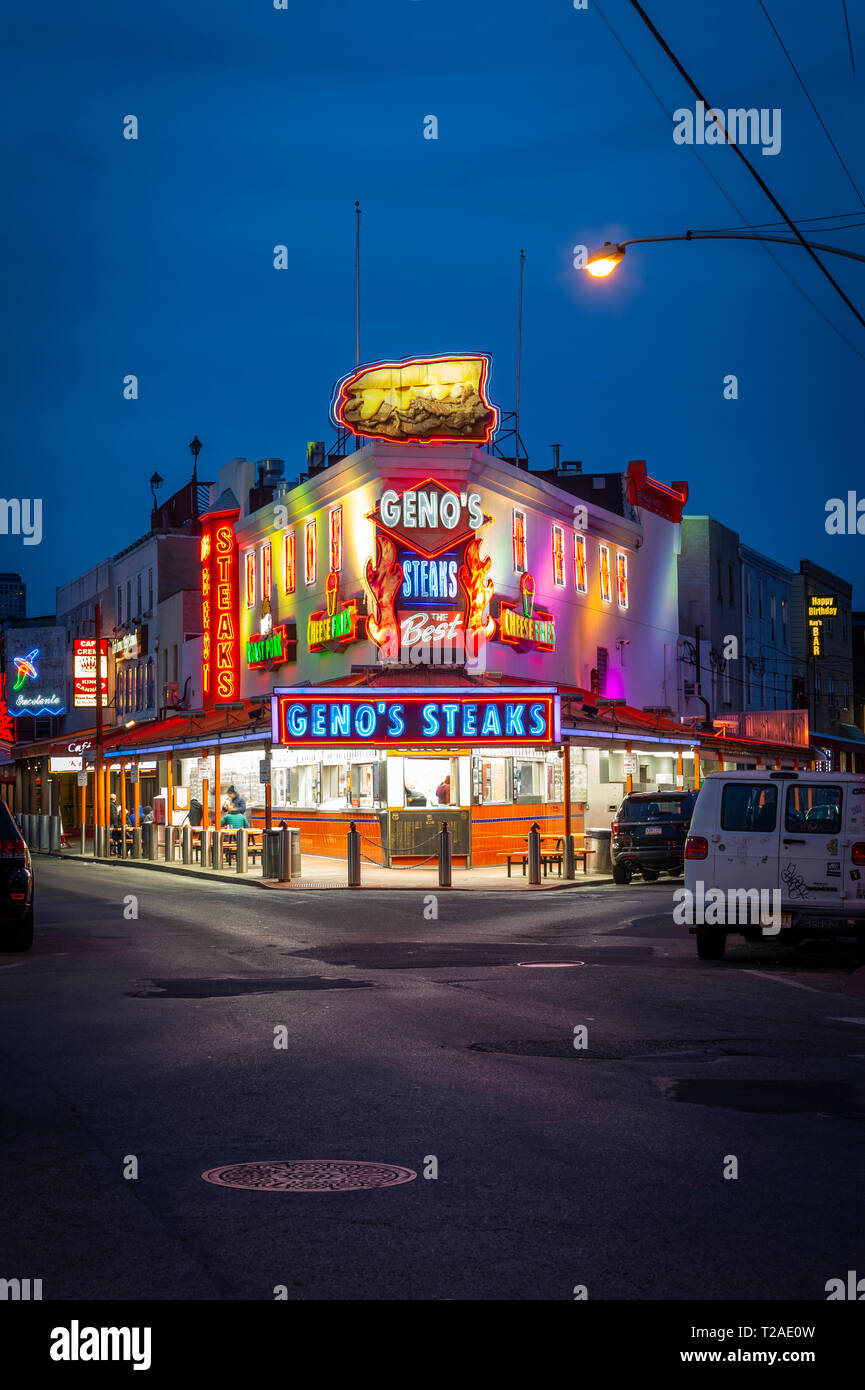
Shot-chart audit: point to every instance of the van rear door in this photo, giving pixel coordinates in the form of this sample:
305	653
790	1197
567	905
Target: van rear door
745	844
813	849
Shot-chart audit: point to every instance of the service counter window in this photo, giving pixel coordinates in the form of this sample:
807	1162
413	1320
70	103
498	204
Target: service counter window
334	786
431	782
366	784
528	780
297	786
493	783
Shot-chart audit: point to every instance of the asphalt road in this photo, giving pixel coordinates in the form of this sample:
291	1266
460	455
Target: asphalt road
410	1038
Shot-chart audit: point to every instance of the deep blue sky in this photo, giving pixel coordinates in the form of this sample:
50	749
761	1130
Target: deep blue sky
260	127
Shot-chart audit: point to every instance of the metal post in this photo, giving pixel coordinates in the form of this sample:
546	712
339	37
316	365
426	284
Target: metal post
187	844
240	851
570	861
444	856
569	843
535	854
136	842
285	855
83	835
353	839
169	844
45	833
206	848
217	848
54	834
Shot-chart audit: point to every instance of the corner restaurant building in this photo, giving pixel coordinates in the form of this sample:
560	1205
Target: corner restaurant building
425	632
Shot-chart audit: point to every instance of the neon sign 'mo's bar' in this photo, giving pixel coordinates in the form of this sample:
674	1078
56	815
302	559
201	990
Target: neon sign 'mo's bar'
331	717
220	644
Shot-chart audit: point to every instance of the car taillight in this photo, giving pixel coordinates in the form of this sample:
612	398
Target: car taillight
696	847
615	827
15	848
18	897
857	854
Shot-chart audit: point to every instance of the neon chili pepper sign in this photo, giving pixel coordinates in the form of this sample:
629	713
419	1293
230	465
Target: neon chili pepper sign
221	646
524	626
332	717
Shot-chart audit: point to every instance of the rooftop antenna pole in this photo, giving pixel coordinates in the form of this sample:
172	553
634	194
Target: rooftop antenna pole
519	356
357	284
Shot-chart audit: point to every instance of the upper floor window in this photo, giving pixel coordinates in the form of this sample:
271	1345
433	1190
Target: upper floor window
290	563
581	573
309	536
336	539
604	572
266	570
622	579
519	534
250	578
558	557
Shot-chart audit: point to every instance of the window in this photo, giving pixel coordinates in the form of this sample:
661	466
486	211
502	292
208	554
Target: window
773	615
128	599
784	621
250	578
336	539
748	592
528	780
309	537
749	806
150	590
138	595
290	570
151	684
493	781
813	810
843	625
604	572
622	579
603	660
581	576
760	598
558	557
818	697
266	570
430	782
846	690
830	690
174	662
718	573
119	617
732	591
519	532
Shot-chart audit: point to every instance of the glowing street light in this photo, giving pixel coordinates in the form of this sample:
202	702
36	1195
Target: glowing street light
603	262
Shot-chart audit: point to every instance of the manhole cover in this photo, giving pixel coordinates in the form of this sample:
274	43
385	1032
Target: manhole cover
309	1175
550	964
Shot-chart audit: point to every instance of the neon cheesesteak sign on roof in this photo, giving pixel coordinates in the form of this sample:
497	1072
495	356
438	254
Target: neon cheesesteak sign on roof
419	400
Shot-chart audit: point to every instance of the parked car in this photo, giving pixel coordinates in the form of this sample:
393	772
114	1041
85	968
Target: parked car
649	833
796	837
16	886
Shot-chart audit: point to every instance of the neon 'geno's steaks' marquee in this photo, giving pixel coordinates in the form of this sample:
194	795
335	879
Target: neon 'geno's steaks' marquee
344	718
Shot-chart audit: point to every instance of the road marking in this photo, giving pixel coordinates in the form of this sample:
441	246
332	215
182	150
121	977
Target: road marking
779	980
860	1021
14	964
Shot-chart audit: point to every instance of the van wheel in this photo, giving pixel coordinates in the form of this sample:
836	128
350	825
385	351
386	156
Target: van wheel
621	873
650	875
20	936
711	943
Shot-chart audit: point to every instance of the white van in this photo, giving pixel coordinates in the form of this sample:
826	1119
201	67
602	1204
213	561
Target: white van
796	838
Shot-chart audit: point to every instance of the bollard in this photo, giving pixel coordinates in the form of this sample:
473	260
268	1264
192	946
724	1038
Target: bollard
148	840
25	828
186	847
136	842
170	844
206	848
535	854
285	855
44	830
570	862
97	842
83	839
241	851
444	856
353	856
56	829
216	849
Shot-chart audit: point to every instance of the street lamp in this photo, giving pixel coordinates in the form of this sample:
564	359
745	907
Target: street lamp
603	262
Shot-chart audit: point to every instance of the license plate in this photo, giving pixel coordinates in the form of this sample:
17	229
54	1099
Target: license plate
786	920
653	830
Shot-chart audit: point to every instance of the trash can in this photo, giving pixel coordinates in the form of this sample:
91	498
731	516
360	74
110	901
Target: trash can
293	833
271	854
601	863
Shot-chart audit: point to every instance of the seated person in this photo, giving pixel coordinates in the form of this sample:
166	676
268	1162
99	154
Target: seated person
233	820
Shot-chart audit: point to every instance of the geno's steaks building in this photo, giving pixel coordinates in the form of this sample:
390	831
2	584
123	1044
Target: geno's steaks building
420	630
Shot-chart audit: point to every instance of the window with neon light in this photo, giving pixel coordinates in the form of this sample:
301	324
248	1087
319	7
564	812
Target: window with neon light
622	579
290	570
309	538
250	578
558	557
266	570
519	541
581	573
336	539
604	572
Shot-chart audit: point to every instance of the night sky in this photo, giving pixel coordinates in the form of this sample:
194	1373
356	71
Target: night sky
260	127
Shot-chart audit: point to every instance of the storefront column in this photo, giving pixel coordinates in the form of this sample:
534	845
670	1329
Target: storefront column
680	769
566	771
217	789
696	769
205	796
136	795
629	780
123	806
169	791
778	764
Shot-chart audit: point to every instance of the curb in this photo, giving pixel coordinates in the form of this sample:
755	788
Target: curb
271	885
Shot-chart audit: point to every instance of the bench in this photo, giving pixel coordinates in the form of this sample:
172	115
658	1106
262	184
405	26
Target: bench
514	856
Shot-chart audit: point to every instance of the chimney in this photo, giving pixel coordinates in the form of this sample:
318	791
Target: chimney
555	448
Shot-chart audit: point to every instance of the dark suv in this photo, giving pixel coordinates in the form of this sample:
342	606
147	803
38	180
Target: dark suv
649	834
16	886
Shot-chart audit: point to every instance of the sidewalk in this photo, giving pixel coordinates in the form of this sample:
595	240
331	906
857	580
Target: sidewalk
320	872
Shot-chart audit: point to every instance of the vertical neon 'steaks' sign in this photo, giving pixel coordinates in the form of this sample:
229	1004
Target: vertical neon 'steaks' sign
221	647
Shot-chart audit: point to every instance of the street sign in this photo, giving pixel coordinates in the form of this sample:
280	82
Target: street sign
630	764
133	774
264	772
82	779
204	767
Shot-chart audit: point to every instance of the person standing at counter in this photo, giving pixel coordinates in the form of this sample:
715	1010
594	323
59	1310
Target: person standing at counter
443	792
238	802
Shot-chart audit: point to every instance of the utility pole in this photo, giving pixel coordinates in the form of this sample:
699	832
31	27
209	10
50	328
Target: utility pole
98	800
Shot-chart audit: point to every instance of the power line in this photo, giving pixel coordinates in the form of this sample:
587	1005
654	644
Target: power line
813	106
742	220
737	151
849	40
